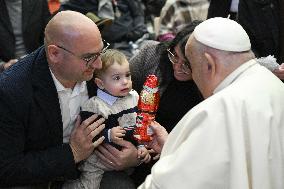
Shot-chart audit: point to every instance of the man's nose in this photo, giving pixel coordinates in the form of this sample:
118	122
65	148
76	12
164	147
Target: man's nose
97	64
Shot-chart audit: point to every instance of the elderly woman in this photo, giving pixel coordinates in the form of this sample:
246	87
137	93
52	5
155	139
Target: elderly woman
177	90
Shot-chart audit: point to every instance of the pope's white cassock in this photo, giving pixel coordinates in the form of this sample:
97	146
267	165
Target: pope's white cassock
232	140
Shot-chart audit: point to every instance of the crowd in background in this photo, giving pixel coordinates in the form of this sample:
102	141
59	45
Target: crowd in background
127	24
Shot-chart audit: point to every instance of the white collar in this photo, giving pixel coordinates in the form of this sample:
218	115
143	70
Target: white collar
79	87
234	75
108	98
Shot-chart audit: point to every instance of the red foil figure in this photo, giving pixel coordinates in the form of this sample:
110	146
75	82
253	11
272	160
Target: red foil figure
147	108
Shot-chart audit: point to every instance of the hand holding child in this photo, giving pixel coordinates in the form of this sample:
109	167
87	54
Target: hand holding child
143	154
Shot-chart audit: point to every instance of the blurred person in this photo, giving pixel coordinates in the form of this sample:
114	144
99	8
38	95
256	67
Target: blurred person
82	6
22	26
153	7
223	8
175	14
128	20
152	10
264	23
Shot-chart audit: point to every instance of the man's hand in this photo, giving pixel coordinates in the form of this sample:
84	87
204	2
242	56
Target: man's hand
6	65
82	136
159	137
116	134
280	72
116	159
9	63
143	154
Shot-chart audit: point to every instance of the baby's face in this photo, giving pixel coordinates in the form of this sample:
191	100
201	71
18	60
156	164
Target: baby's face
117	79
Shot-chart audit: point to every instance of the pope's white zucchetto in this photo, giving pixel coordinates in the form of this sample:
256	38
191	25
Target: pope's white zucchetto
223	34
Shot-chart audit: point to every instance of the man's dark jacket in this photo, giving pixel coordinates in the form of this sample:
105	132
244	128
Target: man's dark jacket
219	8
260	19
35	15
31	129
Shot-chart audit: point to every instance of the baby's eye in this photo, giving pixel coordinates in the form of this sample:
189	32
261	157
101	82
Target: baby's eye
116	78
128	75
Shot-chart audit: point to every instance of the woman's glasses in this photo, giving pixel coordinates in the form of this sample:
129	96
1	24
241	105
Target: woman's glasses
173	57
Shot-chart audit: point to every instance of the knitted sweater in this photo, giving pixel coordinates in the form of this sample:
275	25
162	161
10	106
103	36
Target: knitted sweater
117	111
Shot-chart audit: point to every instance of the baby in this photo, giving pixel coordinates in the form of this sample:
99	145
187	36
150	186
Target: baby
117	102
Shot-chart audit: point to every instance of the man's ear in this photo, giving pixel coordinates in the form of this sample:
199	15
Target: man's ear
53	53
211	64
99	83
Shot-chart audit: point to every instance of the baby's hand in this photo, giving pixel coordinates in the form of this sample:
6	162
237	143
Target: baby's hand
116	134
143	154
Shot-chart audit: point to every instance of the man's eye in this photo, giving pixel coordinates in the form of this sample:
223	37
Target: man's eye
88	58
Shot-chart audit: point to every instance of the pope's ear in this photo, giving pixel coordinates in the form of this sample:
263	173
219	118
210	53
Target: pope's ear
211	64
99	83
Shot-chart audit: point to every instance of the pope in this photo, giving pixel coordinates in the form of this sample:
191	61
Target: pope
234	138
